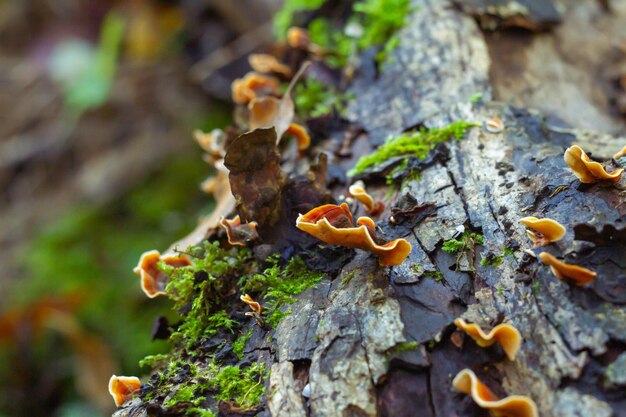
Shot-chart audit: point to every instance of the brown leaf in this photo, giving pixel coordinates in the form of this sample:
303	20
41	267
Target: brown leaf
256	179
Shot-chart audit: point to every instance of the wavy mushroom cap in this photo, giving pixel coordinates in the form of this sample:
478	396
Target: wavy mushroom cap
333	224
588	171
579	275
301	135
268	63
255	306
253	85
467	382
358	191
239	234
122	388
505	334
620	153
153	280
550	230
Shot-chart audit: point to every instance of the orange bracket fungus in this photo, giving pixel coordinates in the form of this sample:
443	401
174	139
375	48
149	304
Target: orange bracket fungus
268	63
334	224
578	274
506	335
357	190
586	170
239	234
253	85
548	230
122	388
153	280
467	382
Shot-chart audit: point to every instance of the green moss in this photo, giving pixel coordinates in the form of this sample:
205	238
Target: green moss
495	261
277	285
284	18
348	277
199	412
314	99
240	344
243	386
476	97
466	241
376	20
405	346
436	275
417	144
153	361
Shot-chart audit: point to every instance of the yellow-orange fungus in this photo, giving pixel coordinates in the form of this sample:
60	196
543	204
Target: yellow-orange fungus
357	190
467	382
334	224
549	230
253	85
153	280
506	335
239	234
588	171
577	274
122	388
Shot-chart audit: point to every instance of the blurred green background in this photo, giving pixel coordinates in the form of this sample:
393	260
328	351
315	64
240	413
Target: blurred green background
98	102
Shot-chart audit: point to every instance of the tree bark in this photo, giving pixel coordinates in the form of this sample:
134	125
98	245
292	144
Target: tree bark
341	339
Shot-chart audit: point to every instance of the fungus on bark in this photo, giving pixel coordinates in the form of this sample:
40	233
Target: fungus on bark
467	382
239	234
358	191
267	63
506	335
254	85
122	388
588	171
579	275
334	224
153	280
548	230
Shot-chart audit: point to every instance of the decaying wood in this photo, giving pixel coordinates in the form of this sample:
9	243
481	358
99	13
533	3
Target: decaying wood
344	332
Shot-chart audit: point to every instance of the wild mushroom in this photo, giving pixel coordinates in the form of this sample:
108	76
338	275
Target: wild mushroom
548	230
268	63
620	153
586	170
254	85
467	382
257	309
212	143
239	234
122	388
301	135
299	38
334	224
357	190
578	274
494	125
506	335
153	280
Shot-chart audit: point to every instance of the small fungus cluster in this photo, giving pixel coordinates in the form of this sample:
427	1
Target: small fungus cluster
334	224
239	234
579	275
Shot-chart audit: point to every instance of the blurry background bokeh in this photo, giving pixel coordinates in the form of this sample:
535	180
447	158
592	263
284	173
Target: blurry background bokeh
98	102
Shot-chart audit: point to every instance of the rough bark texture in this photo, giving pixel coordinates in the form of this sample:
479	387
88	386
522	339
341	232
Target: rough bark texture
344	332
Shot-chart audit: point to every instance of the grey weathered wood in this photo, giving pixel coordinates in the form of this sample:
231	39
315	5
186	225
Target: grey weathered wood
489	182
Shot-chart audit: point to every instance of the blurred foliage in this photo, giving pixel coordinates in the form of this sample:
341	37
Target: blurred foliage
314	99
86	74
91	252
373	23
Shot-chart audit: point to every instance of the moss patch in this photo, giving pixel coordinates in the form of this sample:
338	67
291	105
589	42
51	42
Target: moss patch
417	144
